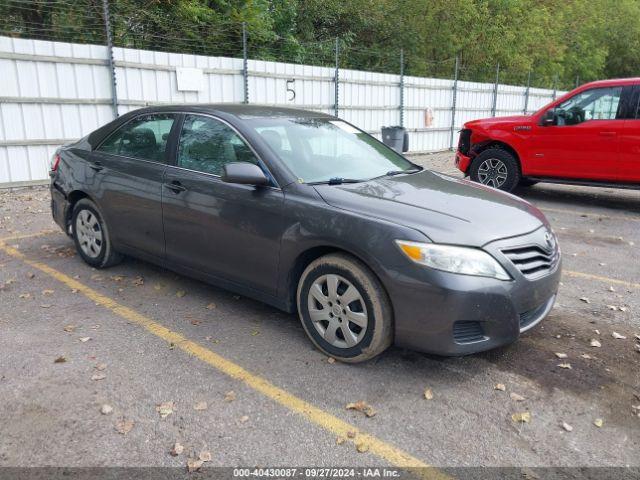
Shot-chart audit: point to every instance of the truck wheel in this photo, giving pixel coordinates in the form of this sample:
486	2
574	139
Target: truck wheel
91	235
344	309
496	168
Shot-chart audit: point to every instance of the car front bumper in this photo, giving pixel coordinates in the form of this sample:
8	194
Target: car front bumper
462	162
451	314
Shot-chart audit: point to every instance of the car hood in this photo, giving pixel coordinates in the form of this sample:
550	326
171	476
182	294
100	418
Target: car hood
445	209
484	122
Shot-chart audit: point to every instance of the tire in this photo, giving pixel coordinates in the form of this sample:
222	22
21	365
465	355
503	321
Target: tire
91	235
496	168
334	332
525	182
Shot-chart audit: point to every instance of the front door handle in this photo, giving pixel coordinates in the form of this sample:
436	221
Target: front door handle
608	134
97	166
175	186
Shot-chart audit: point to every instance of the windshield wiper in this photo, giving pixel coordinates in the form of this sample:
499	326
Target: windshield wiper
391	173
336	181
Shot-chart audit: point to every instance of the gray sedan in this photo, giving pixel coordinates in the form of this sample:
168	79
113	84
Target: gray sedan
306	212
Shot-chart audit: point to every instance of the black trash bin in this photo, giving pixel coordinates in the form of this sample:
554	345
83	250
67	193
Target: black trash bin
396	138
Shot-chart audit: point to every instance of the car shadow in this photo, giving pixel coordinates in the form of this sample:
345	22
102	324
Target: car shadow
572	196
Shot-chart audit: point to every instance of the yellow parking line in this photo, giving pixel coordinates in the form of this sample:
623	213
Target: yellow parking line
590	214
41	233
323	419
600	278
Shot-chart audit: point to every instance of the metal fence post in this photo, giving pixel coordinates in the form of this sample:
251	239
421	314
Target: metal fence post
555	86
402	87
245	68
495	91
526	94
112	68
336	79
577	81
454	100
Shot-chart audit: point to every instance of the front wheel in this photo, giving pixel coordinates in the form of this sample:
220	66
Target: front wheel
91	235
344	309
496	168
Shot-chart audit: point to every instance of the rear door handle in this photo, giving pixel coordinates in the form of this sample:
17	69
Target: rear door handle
97	166
175	186
608	134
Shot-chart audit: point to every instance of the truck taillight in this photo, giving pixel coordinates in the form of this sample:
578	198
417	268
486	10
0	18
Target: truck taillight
55	161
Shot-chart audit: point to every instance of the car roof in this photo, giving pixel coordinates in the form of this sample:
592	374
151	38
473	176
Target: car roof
613	82
240	110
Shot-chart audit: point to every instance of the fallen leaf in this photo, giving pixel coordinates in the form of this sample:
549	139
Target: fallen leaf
595	343
200	406
46	305
362	406
180	293
230	396
561	355
211	306
165	409
25	296
205	456
636	410
617	336
362	447
177	449
106	409
60	360
567	427
193	465
117	278
84	339
100	367
196	322
138	281
124	426
428	394
340	440
565	365
255	332
597	332
331	360
516	397
98	376
69	328
585	299
598	422
157	286
244	418
523	417
351	434
586	356
499	386
31	275
47	292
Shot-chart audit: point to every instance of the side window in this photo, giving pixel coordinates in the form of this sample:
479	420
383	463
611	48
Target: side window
593	104
143	137
207	145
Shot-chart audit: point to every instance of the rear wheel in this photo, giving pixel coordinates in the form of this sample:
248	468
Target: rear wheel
496	168
91	235
344	309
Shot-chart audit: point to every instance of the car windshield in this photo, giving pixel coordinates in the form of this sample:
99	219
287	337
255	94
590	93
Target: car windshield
319	150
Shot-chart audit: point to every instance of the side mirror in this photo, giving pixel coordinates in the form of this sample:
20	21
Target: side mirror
548	118
244	173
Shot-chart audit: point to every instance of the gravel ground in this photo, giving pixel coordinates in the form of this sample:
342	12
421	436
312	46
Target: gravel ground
51	412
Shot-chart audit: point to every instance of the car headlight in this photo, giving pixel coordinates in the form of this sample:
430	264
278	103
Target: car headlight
449	258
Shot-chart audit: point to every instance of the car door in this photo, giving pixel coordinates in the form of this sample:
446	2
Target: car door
583	142
128	169
630	142
228	231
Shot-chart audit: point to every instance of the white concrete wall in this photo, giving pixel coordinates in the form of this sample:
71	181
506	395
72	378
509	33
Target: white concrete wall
52	93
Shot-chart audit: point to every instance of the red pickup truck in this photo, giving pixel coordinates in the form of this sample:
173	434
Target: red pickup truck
590	136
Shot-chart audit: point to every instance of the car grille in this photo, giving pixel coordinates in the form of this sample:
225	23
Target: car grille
533	261
464	142
468	332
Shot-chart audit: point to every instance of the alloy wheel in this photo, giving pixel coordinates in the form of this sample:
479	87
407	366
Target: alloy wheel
89	233
492	172
337	311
